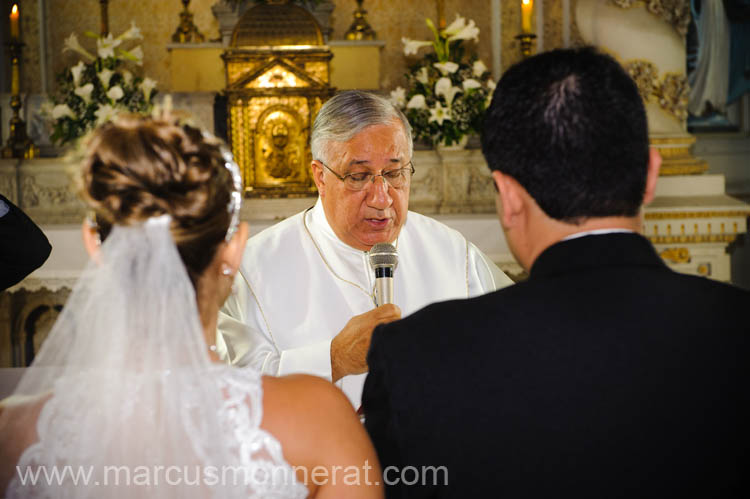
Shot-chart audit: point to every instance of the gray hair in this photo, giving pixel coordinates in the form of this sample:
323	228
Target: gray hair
348	113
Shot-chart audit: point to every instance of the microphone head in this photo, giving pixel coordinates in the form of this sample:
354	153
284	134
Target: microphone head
383	255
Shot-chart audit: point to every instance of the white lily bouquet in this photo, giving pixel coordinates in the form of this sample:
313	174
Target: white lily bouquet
99	86
448	92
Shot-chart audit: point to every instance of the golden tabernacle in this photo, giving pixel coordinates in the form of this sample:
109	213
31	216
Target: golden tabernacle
277	71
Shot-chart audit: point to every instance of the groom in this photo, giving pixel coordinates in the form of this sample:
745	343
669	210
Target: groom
605	374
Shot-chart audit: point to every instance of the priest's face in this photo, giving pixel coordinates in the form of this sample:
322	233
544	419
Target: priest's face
375	214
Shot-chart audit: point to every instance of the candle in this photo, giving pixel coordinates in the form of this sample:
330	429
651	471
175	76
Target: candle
14	31
526	7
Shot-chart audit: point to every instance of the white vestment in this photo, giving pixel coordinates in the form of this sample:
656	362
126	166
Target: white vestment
299	285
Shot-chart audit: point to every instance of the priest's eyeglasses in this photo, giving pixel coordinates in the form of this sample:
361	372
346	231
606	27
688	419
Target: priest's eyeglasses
397	178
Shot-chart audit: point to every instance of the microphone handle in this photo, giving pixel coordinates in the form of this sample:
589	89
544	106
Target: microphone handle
383	290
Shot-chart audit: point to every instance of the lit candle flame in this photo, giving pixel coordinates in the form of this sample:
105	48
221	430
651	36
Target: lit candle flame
526	9
14	29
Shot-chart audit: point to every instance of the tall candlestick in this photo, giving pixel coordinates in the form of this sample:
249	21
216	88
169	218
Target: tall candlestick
14	29
15	80
19	144
527	6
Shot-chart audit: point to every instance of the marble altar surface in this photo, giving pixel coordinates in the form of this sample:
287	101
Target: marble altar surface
692	221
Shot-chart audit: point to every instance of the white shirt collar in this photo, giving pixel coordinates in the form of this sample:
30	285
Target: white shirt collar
595	232
319	226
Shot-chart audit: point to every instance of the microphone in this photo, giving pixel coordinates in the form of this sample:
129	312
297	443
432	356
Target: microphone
383	260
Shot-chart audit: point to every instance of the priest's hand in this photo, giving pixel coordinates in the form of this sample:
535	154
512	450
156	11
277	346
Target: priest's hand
349	347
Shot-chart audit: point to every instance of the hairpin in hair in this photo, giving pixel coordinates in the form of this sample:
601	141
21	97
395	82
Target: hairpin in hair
235	201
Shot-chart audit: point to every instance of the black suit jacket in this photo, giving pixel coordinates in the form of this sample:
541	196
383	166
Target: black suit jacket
605	374
23	246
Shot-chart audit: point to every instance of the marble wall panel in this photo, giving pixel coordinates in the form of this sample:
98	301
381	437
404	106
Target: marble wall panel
553	37
8	184
49	191
30	55
467	183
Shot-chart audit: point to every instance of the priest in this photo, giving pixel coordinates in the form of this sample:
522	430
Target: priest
304	294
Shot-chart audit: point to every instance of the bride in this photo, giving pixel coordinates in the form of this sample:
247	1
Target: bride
127	398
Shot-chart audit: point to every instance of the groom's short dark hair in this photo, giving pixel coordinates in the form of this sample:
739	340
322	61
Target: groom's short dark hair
570	127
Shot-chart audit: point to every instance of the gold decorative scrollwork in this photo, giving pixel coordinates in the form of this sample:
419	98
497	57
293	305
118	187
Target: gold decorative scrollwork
702	238
674	12
697	214
671	92
676	255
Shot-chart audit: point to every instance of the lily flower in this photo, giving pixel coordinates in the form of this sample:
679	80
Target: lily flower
62	111
105	46
423	76
456	26
478	68
445	88
127	76
115	93
468	32
133	33
417	102
147	86
439	114
412	46
135	55
84	92
104	114
77	71
398	97
71	43
470	83
105	75
446	68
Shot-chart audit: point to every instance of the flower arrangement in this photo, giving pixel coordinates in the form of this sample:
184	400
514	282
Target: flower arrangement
448	92
99	86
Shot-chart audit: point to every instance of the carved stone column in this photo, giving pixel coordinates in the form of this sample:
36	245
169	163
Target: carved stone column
648	38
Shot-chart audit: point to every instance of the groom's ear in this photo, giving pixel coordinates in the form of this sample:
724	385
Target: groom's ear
233	250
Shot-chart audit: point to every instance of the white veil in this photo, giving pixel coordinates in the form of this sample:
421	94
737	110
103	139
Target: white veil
137	408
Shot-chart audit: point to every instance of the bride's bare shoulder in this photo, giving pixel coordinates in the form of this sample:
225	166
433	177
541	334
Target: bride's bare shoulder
18	416
307	406
317	427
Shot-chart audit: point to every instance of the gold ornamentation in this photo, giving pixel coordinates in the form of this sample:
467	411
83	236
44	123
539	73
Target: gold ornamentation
676	255
696	214
525	42
187	31
19	144
276	24
274	91
704	269
703	238
671	91
674	12
360	28
675	151
674	95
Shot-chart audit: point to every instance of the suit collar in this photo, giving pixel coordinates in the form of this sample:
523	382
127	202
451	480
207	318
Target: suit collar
591	251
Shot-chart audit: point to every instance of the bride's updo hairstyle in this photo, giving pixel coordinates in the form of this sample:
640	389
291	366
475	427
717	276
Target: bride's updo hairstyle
136	168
